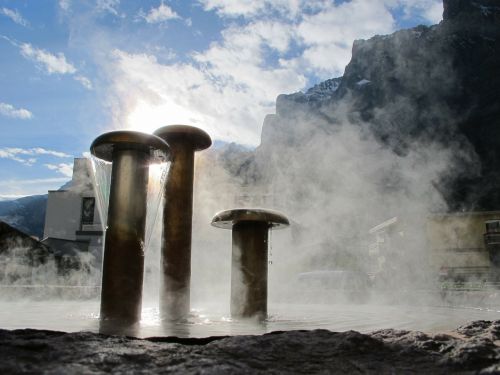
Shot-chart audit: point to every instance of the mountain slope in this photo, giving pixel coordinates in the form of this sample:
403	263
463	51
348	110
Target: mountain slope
26	214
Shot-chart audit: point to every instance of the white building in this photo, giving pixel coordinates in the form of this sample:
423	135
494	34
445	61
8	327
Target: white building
72	222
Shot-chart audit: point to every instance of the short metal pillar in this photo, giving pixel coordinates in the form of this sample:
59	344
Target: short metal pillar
175	281
250	229
123	265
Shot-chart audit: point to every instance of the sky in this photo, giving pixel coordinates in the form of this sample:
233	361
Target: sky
71	70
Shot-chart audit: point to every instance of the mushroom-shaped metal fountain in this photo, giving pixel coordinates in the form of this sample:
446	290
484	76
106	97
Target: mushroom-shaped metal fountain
123	266
175	271
250	229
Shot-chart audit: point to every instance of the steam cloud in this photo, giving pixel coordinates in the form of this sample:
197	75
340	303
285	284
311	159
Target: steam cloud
334	187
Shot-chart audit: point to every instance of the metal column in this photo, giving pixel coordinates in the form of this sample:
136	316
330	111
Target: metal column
175	281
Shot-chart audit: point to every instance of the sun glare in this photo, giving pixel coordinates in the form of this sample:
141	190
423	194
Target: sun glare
147	117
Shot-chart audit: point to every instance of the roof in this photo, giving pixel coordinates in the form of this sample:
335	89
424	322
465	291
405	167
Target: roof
8	234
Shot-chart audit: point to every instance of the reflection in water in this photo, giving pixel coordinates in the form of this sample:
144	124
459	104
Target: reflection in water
74	316
168	328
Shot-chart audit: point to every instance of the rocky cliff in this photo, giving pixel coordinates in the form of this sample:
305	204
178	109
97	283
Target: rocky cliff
438	84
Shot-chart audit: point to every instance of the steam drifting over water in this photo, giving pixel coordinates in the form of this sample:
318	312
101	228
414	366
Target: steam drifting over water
379	149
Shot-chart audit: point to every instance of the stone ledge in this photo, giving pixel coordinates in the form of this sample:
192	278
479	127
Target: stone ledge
472	348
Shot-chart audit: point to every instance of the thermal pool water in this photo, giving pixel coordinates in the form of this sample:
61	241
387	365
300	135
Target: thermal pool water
72	316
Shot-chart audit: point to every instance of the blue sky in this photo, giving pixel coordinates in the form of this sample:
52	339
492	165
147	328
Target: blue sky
73	69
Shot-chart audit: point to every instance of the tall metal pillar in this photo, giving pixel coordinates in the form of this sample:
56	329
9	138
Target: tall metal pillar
123	265
184	141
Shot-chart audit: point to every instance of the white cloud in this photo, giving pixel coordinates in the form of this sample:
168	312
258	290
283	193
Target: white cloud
161	14
109	6
429	10
10	197
252	8
433	11
17	187
19	113
65	4
65	169
25	155
43	151
325	33
7	154
84	81
269	47
234	8
345	22
230	87
15	16
328	35
35	181
227	90
51	63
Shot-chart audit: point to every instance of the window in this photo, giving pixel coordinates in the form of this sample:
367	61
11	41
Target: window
88	205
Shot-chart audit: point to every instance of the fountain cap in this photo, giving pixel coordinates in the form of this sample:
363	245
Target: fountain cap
186	134
103	146
227	219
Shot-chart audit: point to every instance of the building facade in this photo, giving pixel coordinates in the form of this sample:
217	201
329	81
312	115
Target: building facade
72	222
459	246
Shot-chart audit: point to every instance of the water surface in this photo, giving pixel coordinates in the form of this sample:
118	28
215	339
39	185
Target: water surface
206	320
